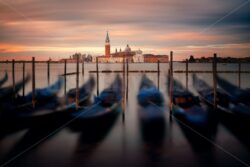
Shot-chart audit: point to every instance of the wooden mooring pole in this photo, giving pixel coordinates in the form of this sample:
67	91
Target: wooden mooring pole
123	89
215	80
77	81
158	74
33	81
48	71
23	78
83	65
13	78
97	77
127	82
239	74
186	73
123	79
171	82
65	76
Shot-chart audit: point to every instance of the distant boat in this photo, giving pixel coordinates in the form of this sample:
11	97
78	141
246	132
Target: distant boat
151	112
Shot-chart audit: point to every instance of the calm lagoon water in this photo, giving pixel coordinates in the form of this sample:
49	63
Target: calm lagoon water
124	145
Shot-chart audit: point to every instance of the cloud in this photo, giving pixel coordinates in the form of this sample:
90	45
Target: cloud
153	23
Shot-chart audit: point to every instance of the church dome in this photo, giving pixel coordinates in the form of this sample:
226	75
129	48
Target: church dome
127	49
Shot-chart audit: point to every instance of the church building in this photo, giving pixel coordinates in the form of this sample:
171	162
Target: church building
132	56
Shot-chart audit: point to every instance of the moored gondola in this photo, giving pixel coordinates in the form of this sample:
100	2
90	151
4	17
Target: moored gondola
49	109
7	93
84	92
104	110
151	112
238	98
226	102
187	107
230	112
238	95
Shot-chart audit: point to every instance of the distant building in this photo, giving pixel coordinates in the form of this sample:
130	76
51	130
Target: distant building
127	54
138	57
132	56
150	58
82	57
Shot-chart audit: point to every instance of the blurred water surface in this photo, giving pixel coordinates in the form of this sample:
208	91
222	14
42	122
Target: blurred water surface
123	145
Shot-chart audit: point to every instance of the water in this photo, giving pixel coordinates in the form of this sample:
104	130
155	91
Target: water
124	145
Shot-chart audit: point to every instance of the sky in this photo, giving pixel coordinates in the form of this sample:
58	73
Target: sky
58	28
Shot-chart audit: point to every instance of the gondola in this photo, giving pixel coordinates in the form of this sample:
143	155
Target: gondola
7	93
226	102
151	112
18	112
45	98
85	92
196	121
104	110
230	113
4	79
49	108
237	95
187	107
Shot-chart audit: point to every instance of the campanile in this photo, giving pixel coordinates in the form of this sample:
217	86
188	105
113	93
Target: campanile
107	45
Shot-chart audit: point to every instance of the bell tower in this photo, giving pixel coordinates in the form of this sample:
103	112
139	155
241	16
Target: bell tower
107	45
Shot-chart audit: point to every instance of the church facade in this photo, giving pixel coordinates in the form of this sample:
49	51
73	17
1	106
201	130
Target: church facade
132	56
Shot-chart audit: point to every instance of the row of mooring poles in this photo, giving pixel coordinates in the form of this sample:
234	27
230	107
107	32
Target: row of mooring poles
23	75
214	65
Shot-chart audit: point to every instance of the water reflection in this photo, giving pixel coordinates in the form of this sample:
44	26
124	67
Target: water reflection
90	138
29	141
237	126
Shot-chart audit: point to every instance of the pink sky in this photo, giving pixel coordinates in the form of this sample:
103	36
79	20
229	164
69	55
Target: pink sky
57	29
